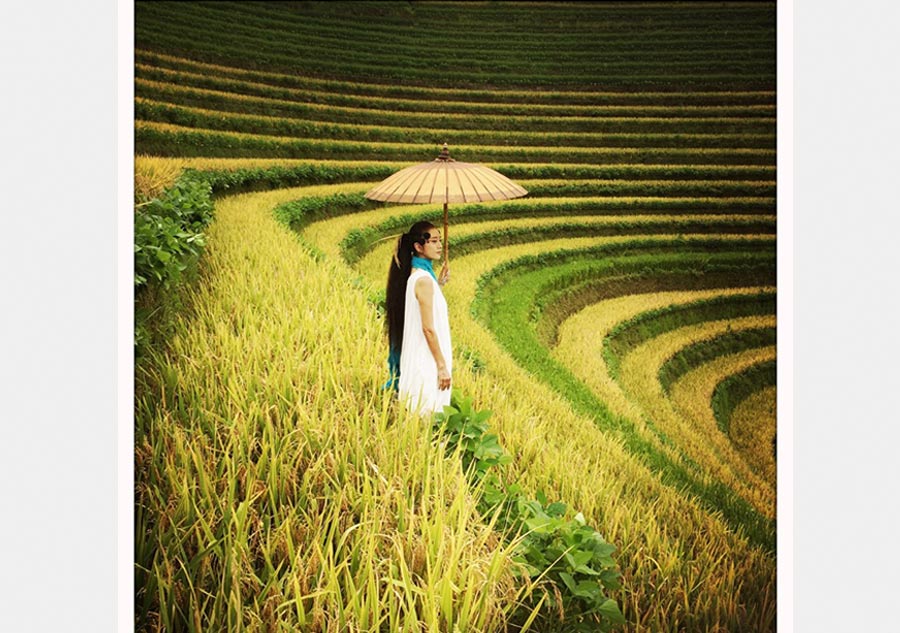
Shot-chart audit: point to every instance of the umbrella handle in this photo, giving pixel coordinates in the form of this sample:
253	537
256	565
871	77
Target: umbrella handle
445	269
446	236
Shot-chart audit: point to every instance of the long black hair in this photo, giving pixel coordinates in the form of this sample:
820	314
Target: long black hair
398	275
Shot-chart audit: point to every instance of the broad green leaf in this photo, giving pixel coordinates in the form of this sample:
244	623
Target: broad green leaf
610	579
588	589
537	524
582	557
584	569
610	609
556	509
470	431
569	580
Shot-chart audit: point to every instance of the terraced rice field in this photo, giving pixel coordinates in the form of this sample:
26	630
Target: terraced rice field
619	321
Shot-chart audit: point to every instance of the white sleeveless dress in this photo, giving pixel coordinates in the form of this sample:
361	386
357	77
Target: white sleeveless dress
418	386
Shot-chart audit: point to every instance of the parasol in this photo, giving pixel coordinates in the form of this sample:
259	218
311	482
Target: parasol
445	180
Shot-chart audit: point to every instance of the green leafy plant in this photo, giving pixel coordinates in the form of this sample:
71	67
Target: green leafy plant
569	562
168	232
168	240
574	559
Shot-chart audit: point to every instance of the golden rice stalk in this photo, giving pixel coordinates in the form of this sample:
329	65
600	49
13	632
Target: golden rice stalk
152	175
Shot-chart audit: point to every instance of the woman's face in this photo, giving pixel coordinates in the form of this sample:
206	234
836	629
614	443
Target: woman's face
434	247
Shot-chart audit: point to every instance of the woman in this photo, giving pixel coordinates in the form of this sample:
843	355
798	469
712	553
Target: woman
420	358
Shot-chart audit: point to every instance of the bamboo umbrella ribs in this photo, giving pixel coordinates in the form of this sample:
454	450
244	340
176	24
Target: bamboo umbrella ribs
445	180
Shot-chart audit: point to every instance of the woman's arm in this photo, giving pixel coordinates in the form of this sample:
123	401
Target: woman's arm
425	297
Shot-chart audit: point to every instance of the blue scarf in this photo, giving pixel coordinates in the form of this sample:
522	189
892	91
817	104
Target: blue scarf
423	264
394	357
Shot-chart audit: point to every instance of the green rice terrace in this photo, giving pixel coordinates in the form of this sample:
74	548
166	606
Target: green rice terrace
609	463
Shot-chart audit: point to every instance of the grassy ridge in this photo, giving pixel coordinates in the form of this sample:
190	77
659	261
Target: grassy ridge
752	427
452	97
689	357
148	110
359	242
629	334
557	305
736	388
364	230
516	104
627	119
172	140
263	168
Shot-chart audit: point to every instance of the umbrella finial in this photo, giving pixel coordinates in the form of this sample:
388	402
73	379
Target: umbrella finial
445	153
